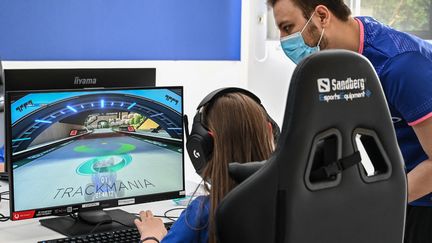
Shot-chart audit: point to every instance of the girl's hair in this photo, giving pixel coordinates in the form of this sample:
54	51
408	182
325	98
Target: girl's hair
241	133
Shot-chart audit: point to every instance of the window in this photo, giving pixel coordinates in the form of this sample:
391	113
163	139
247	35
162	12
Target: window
412	16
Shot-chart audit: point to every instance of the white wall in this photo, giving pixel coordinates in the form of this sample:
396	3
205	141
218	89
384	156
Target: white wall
269	79
268	69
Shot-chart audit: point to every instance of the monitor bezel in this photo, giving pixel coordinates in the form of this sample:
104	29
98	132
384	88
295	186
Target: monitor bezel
61	210
57	79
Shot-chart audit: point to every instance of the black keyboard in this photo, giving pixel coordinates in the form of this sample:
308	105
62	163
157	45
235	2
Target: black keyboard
119	236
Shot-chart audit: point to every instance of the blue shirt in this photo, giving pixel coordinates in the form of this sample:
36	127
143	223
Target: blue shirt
192	225
403	63
2	154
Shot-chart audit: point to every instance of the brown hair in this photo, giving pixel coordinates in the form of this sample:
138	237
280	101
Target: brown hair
241	134
337	7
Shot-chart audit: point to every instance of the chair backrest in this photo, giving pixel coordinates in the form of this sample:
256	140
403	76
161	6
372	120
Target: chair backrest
307	192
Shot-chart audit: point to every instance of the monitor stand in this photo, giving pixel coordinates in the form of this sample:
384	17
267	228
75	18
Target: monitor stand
87	220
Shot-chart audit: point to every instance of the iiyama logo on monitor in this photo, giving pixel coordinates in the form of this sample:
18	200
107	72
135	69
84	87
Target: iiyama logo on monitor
84	81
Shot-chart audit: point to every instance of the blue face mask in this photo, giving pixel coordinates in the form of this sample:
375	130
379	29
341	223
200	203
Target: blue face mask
295	47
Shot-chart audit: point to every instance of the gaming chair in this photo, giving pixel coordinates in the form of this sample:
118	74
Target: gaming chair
315	188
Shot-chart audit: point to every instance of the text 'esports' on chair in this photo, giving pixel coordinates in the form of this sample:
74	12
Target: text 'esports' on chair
337	175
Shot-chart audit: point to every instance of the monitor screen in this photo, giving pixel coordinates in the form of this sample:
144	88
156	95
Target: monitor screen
75	149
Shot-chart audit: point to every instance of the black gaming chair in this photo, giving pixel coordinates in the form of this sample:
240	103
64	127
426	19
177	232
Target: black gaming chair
313	189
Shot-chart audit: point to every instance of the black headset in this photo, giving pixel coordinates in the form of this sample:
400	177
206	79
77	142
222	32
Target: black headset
199	143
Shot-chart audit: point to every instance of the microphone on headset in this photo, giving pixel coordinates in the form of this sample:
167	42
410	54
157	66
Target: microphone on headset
186	125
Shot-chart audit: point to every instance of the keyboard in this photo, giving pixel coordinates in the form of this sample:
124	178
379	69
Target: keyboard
118	236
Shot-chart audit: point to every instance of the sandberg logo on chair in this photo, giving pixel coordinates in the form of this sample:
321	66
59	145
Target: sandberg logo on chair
324	85
345	89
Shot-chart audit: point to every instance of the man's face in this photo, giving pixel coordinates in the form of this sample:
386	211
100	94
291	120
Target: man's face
290	19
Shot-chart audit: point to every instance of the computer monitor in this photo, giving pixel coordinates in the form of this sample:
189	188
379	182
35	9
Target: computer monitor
85	150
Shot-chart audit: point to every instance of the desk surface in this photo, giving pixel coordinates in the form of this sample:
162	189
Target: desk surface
31	231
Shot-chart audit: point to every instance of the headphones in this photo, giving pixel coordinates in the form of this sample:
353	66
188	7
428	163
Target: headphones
199	143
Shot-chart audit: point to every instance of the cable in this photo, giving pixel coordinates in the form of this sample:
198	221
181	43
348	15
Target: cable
156	216
3	194
4	218
173	218
186	213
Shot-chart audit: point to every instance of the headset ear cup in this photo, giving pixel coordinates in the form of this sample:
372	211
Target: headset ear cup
200	150
200	147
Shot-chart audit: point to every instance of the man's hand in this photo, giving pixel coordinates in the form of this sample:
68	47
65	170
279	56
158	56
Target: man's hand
150	226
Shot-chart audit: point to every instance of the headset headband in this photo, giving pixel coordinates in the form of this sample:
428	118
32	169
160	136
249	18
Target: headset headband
220	92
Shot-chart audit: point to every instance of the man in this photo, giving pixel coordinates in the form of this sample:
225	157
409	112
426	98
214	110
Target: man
404	65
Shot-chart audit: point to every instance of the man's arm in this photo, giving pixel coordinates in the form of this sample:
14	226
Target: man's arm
420	178
407	84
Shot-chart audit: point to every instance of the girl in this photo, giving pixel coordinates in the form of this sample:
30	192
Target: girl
242	133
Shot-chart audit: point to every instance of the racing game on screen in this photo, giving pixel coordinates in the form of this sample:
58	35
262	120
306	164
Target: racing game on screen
84	146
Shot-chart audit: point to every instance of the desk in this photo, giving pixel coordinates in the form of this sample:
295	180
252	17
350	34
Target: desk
30	230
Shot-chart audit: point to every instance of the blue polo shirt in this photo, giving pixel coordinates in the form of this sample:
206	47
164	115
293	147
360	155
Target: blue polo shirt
192	225
1	154
404	65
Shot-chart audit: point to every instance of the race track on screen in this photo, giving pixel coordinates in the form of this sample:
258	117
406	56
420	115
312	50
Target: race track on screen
94	169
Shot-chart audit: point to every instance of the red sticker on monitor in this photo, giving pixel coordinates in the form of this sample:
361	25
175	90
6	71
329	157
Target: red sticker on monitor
73	132
23	215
